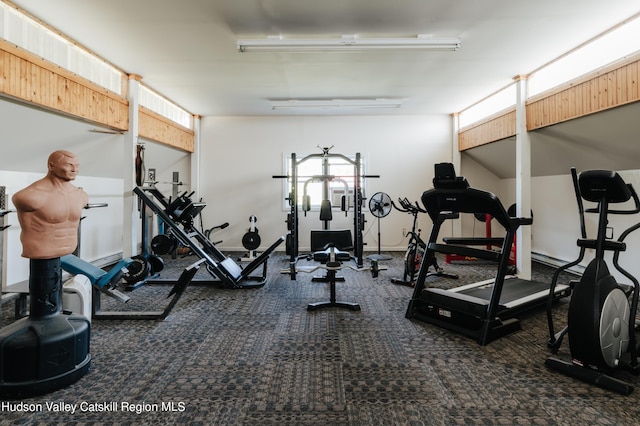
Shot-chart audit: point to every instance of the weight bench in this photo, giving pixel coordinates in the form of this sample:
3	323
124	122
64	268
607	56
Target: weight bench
99	278
330	248
106	282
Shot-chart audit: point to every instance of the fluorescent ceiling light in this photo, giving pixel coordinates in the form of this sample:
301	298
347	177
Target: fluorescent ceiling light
336	103
345	44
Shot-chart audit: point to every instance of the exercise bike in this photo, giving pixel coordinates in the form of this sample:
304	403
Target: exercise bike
601	318
415	247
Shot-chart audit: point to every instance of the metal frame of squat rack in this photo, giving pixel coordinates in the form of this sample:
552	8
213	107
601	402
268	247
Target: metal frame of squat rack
292	220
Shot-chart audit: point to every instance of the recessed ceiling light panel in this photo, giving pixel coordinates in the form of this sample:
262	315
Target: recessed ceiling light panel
336	103
345	44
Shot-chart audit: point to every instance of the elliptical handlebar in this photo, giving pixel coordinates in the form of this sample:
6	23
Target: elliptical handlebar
636	201
632	228
576	188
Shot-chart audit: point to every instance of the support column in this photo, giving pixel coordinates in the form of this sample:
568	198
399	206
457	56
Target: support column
131	215
456	160
195	156
523	180
455	149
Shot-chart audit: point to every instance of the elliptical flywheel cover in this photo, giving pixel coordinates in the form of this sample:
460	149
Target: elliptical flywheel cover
614	326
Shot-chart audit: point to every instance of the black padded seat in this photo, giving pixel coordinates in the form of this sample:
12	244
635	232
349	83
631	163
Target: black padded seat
331	248
323	256
326	240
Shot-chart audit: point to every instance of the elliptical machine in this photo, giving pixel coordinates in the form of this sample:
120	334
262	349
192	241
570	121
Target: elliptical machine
601	318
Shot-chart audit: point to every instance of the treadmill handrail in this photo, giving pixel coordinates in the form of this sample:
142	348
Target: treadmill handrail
474	241
469	200
465	251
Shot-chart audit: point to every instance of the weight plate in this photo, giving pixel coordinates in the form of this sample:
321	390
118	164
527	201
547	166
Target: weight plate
156	264
163	244
251	240
288	242
137	270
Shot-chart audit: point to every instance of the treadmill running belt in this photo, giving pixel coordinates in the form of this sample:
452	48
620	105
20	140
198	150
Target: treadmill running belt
513	289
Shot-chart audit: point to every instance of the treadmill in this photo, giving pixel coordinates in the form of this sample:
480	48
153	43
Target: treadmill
485	310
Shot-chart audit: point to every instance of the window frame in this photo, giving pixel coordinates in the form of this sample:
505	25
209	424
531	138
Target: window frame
306	170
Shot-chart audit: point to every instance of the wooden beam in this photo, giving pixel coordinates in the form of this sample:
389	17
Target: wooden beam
610	87
606	88
157	128
494	128
27	78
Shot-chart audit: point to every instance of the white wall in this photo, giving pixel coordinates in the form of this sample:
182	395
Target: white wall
241	154
167	160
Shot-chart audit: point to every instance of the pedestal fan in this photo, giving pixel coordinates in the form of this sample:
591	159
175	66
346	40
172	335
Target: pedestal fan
379	206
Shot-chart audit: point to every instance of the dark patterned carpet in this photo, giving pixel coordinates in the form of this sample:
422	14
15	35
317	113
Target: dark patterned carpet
257	357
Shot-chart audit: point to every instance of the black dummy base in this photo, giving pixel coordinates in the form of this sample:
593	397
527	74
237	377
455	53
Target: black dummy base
49	349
